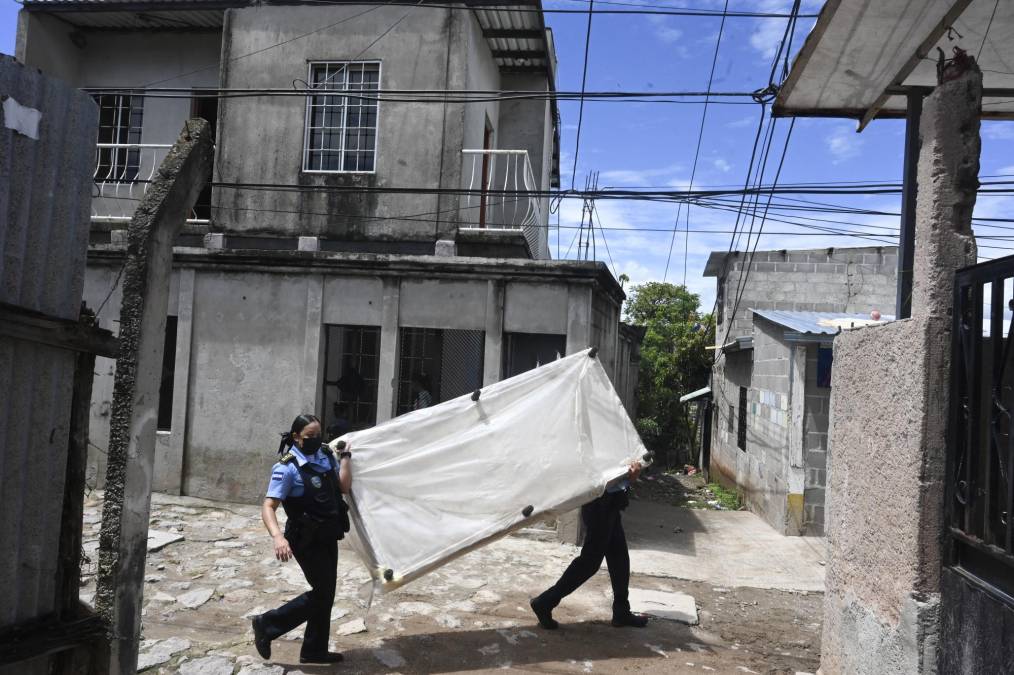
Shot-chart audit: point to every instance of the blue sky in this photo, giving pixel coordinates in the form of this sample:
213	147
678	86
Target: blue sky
641	144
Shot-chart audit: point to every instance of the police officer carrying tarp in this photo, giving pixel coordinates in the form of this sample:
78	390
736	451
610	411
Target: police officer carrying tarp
604	538
307	481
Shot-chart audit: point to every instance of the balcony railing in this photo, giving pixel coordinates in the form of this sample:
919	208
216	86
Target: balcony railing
123	172
500	196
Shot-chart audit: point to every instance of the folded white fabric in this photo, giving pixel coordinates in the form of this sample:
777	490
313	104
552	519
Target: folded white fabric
433	484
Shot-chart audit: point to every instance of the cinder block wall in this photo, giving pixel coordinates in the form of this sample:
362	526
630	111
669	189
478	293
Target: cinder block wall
821	280
815	425
758	472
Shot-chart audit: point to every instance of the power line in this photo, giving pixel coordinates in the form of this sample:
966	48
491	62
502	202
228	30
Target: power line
988	26
584	81
425	95
648	9
697	152
746	274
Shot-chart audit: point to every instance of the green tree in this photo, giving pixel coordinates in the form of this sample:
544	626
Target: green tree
674	362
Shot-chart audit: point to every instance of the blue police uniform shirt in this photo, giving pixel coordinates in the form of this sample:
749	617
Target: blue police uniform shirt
285	479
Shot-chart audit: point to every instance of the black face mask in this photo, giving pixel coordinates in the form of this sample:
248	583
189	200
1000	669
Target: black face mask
311	445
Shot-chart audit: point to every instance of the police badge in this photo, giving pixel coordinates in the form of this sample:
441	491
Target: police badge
315	480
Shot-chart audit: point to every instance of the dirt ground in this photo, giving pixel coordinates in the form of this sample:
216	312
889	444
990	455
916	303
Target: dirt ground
471	616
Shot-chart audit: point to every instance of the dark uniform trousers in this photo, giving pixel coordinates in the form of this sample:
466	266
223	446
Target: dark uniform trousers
319	562
312	530
604	538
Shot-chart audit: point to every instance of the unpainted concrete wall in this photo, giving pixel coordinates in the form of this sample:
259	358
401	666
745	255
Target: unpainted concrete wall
884	495
853	280
250	354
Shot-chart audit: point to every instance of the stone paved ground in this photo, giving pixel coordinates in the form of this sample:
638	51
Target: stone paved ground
470	616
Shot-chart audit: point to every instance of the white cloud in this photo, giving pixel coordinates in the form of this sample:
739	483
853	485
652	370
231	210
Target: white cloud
722	165
767	35
668	34
664	31
843	143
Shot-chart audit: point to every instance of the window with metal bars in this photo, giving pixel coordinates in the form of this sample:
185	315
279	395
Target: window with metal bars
524	351
118	158
437	365
341	128
351	369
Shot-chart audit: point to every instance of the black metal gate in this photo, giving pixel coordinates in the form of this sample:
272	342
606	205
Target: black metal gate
980	481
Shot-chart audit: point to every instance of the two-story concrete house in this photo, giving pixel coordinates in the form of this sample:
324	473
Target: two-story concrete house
777	316
377	225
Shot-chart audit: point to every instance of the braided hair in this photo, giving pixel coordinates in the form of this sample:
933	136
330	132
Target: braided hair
298	425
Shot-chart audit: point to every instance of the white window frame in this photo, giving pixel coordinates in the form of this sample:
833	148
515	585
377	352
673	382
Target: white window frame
306	119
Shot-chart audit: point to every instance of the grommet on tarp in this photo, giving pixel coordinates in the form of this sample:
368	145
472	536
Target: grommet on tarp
593	352
528	511
475	394
388	575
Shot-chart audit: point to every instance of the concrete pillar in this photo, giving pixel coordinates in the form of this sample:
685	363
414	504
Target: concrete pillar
948	177
313	346
887	436
123	538
387	385
579	308
493	356
796	478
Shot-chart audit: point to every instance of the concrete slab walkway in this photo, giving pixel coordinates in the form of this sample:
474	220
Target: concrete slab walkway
724	548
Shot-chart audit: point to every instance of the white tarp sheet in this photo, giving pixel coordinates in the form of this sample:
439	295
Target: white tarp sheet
433	484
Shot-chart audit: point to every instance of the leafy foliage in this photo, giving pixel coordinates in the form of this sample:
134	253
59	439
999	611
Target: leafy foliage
674	362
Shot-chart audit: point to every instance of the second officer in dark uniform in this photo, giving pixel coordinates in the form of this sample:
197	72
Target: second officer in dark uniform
307	482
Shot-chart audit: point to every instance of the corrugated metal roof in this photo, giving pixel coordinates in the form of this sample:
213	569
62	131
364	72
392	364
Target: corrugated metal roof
818	323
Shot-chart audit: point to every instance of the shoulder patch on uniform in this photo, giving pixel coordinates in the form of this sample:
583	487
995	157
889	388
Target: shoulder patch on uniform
286	458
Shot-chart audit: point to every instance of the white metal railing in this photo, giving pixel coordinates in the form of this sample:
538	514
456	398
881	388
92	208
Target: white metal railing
500	196
123	172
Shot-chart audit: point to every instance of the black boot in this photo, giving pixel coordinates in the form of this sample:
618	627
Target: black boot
629	619
261	642
544	613
326	657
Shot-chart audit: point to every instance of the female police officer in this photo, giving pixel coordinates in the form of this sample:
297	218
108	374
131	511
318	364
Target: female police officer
306	482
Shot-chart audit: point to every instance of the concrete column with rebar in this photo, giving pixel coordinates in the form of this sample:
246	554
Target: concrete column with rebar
147	267
889	405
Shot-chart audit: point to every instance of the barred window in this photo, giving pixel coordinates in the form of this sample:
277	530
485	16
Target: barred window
341	130
118	157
